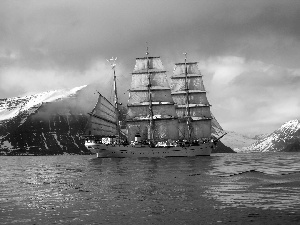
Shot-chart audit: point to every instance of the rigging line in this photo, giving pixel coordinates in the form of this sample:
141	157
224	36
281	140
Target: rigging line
187	99
120	80
181	132
121	75
111	90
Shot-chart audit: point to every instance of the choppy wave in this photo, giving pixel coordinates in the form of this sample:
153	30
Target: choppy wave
223	188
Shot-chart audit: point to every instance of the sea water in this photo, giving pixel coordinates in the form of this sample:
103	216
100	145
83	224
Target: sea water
256	188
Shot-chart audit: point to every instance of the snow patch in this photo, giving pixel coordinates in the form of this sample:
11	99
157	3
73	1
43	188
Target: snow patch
12	107
45	142
74	142
276	140
55	137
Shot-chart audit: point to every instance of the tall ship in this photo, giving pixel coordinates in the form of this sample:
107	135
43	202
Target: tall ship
163	120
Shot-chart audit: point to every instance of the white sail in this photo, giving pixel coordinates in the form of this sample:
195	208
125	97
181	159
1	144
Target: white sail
157	79
193	82
200	129
153	63
164	129
190	67
141	95
195	112
103	119
159	111
195	97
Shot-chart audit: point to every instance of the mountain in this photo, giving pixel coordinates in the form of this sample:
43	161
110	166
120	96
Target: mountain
222	148
50	123
259	136
286	138
237	141
46	123
217	132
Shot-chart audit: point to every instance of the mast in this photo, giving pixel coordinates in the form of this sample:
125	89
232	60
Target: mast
113	64
187	102
150	137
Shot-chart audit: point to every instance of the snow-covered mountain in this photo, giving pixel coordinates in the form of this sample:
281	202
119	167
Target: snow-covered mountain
45	123
286	138
12	107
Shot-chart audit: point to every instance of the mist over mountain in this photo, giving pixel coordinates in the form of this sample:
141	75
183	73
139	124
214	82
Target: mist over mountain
237	141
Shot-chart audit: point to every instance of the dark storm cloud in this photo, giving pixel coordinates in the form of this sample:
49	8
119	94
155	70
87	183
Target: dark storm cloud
46	45
74	33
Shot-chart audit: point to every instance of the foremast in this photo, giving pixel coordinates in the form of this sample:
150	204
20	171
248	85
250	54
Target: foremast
151	111
192	106
113	64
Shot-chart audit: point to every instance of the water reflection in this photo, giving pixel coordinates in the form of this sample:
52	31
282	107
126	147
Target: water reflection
257	180
154	187
84	189
268	163
261	192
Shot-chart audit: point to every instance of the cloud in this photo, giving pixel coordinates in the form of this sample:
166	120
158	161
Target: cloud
29	81
251	96
225	69
72	33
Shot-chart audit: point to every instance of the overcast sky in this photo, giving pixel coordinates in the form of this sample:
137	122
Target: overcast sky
248	51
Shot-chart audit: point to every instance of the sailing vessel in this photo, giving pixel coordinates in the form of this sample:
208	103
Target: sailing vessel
162	120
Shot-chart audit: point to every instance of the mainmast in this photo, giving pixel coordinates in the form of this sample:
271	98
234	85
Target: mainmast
187	102
113	64
151	125
151	111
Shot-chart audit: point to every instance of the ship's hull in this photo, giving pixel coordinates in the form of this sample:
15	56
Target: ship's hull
137	151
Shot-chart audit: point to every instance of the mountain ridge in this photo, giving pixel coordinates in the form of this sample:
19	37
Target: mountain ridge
284	138
45	123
